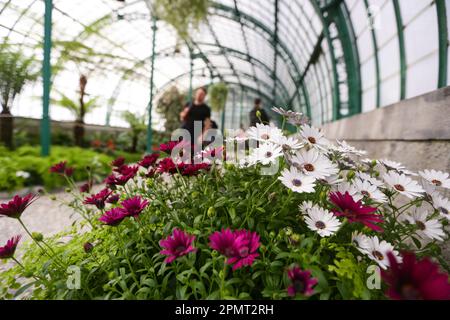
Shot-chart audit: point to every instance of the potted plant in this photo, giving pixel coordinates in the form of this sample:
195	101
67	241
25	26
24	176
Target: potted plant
218	96
169	105
182	14
79	108
16	70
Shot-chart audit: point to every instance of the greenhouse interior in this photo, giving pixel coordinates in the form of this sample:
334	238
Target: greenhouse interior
224	149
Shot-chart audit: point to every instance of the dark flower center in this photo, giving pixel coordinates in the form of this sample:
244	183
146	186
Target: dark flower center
436	182
365	193
309	167
296	182
268	154
243	252
409	292
320	225
312	140
265	136
180	248
378	255
299	286
420	225
443	210
286	147
399	187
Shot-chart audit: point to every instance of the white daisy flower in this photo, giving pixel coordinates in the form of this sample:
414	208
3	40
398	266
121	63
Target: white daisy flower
442	205
361	241
378	251
366	177
322	221
396	166
365	189
332	180
297	181
426	229
314	164
436	178
294	118
266	153
403	184
314	137
344	187
288	143
264	133
345	148
305	206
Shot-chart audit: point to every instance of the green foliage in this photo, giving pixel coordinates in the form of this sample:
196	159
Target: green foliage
26	161
169	106
15	71
182	14
74	106
218	96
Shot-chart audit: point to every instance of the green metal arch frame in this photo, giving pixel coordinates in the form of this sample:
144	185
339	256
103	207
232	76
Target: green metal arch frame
443	42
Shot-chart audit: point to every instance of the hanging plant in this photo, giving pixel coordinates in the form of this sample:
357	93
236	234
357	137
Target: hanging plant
182	14
218	96
170	105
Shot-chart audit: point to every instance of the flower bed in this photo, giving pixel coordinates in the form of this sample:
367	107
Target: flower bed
327	224
24	167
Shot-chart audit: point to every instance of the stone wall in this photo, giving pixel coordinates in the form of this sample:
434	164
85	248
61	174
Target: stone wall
415	132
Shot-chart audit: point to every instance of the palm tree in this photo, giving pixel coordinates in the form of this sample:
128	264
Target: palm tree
15	71
79	109
137	125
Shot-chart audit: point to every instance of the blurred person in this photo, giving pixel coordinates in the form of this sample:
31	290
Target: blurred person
262	117
197	110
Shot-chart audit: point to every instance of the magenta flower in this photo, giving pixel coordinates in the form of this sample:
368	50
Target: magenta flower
415	280
176	245
86	188
113	199
355	211
149	160
302	282
15	207
151	173
239	246
134	206
98	199
117	163
223	242
168	147
61	168
113	217
194	169
246	245
112	180
168	166
8	250
128	171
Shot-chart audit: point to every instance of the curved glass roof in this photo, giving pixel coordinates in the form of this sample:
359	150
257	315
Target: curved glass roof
327	58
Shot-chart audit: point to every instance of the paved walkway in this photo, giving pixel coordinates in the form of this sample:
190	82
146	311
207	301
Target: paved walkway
44	215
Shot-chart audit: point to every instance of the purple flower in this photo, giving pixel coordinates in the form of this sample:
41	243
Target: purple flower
7	251
15	207
113	199
194	169
134	206
176	245
355	211
415	279
61	169
302	282
117	163
240	247
113	217
85	188
149	160
98	199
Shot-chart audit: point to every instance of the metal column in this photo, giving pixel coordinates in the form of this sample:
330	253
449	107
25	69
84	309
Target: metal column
46	79
150	104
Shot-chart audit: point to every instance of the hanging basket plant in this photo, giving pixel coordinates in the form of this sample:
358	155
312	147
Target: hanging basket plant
169	106
218	96
182	14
